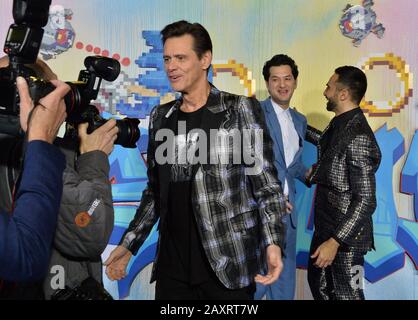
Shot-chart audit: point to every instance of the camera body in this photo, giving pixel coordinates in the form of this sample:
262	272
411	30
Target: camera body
22	46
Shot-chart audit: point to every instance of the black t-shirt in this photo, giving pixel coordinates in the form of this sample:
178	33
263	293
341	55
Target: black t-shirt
181	254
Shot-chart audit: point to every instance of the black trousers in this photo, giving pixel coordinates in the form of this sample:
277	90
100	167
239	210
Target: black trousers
168	288
342	280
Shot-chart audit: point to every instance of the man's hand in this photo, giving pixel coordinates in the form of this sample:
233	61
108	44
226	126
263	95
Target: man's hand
117	262
308	173
100	139
274	264
26	103
325	253
289	207
46	117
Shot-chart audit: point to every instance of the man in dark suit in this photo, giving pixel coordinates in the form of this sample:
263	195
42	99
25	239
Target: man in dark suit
220	215
348	158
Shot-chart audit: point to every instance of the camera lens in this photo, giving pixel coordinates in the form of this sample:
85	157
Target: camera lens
74	98
129	132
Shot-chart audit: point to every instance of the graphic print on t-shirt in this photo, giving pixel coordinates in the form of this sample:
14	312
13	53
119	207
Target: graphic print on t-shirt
185	147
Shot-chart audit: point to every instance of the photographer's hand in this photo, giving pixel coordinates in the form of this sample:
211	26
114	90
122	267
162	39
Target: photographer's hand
47	116
101	139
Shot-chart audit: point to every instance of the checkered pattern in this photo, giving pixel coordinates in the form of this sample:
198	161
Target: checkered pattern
337	281
346	194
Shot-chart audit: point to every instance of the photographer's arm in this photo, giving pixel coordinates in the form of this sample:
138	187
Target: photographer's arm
26	235
86	216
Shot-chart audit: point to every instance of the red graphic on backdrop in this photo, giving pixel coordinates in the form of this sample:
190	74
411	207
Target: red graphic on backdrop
96	50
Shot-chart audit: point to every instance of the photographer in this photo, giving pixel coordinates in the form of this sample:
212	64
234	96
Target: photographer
26	235
86	216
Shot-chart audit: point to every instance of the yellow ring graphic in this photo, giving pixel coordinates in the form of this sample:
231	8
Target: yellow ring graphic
402	71
237	70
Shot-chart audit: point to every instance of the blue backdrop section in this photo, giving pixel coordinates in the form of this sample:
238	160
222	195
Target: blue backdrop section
128	174
409	179
408	230
389	255
155	78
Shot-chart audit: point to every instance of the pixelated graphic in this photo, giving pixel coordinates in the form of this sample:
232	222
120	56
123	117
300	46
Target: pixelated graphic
398	65
154	77
237	70
360	20
59	34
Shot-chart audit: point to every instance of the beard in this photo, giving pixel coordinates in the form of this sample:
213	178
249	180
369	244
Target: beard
331	105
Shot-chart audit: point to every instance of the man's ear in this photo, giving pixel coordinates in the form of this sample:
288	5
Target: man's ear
345	94
206	60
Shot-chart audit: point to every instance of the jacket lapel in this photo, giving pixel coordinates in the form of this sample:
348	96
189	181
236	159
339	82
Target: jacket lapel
298	124
164	170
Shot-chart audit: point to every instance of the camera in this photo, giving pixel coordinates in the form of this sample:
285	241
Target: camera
22	46
77	101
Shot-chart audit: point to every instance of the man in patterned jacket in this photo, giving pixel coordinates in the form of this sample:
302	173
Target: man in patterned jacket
348	158
220	213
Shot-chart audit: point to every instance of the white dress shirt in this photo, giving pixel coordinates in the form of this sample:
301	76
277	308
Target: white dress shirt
290	137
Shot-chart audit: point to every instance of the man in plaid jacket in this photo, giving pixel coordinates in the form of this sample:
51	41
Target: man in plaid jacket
219	210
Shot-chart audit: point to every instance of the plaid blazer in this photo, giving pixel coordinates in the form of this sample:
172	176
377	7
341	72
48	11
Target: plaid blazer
237	214
346	194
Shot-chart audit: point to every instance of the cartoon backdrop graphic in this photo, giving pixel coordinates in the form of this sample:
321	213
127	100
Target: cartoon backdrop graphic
380	37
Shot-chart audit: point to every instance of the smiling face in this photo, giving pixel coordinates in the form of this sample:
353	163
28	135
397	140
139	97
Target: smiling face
185	70
281	85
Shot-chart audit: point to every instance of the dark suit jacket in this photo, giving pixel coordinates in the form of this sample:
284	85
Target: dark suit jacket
345	174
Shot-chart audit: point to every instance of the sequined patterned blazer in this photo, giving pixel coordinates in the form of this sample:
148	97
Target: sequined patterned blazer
346	185
237	214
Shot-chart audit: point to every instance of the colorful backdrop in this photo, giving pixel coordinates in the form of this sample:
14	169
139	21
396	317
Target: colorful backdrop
379	37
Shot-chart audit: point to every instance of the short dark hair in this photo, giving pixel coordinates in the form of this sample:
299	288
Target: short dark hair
202	42
354	79
280	60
